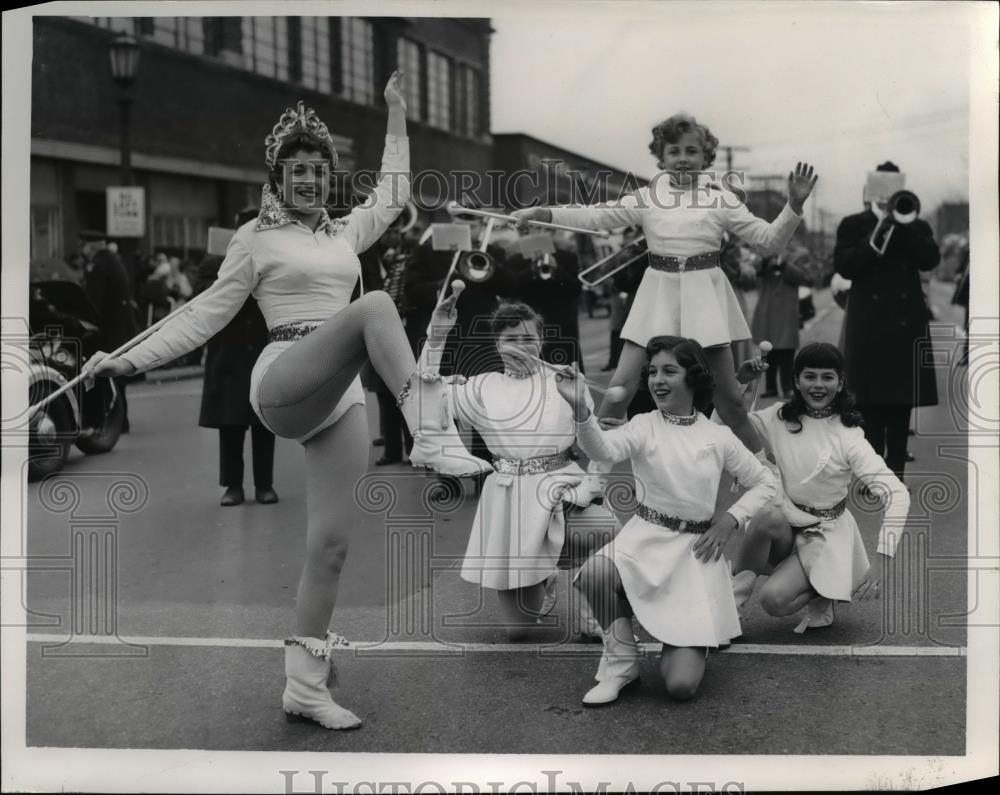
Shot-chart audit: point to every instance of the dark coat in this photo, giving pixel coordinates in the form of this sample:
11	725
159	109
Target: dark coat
229	359
886	337
556	300
106	283
776	316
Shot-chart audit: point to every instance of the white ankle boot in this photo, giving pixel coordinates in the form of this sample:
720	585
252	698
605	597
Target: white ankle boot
743	586
619	665
436	443
310	673
819	613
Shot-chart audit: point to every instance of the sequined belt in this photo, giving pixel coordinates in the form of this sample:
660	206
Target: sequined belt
531	466
288	332
825	513
671	522
698	262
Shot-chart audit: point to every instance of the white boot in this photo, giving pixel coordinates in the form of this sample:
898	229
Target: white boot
310	673
743	586
619	665
436	443
819	613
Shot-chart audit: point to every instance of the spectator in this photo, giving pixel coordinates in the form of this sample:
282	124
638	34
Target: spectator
776	316
229	359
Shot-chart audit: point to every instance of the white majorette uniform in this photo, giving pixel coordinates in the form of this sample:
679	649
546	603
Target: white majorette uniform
677	463
519	528
816	466
300	278
684	292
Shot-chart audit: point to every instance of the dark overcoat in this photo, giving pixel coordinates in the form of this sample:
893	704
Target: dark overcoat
886	337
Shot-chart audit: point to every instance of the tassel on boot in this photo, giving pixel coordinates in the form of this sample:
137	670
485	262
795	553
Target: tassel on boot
310	673
424	404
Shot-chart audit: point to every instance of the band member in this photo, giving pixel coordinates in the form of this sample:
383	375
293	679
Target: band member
819	448
666	564
550	286
887	345
301	266
684	214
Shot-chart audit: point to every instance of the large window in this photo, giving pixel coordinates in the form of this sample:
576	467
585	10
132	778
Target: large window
438	91
315	50
467	100
179	232
46	233
357	47
408	58
184	33
265	45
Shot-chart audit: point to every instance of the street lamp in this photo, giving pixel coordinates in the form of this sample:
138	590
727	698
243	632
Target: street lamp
124	52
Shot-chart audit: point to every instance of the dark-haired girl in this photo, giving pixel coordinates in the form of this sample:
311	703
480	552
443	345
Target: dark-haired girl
819	446
666	565
684	214
522	522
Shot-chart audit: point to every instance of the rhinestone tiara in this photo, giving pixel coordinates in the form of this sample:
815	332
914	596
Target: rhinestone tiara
294	121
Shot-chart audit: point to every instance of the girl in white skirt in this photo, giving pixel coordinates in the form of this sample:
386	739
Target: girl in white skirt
666	564
819	446
537	496
684	214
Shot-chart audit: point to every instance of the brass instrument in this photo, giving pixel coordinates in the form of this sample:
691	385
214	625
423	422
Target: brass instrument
476	266
606	268
406	220
544	268
902	208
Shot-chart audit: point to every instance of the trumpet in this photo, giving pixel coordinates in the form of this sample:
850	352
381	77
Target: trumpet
407	219
606	268
902	208
544	268
476	266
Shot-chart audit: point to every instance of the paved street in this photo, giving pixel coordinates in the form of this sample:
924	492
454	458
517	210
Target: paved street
206	593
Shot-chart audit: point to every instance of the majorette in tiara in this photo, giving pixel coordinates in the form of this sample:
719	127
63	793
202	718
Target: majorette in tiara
298	120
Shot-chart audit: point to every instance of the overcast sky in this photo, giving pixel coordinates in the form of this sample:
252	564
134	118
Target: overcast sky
843	86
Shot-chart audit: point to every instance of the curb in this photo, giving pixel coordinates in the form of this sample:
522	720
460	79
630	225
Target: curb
167	374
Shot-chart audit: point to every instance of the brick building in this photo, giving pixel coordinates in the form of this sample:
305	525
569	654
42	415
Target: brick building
209	89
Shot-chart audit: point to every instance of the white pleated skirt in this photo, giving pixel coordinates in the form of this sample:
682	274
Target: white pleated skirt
833	557
700	305
680	600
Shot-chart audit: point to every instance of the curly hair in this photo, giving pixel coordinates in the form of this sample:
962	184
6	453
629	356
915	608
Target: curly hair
510	314
293	143
822	356
670	131
691	356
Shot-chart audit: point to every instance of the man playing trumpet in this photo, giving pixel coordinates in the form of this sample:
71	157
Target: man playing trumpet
883	251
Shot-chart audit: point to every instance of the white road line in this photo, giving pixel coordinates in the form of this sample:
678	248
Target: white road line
376	648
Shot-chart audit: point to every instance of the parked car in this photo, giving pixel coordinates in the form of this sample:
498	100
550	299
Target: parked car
65	331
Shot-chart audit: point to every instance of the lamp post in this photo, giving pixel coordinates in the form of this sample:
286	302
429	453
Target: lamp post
124	52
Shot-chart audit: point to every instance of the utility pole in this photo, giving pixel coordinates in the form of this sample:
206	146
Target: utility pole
729	154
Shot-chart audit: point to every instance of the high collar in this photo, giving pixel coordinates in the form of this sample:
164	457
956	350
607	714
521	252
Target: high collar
273	215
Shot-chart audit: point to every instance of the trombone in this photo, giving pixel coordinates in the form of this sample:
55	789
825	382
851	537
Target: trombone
902	208
606	268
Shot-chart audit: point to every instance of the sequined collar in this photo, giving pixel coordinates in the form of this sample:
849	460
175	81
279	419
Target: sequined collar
821	414
677	419
273	214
